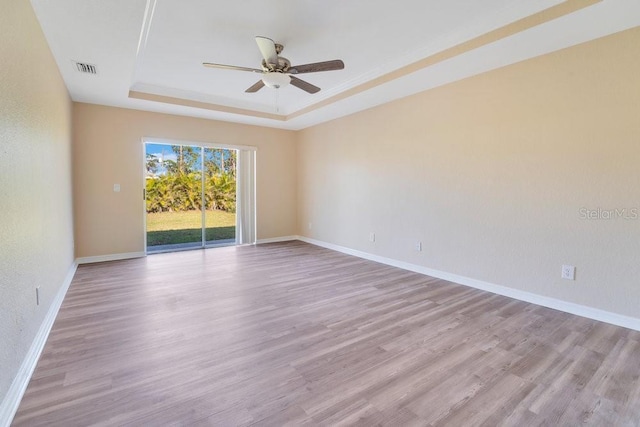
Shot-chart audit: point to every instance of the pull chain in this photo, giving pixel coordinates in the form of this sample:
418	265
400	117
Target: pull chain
277	100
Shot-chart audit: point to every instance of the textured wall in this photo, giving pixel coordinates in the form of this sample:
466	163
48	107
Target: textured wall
108	150
36	229
490	174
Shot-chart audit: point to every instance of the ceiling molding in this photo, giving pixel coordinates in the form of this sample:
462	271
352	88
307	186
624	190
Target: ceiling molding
204	105
149	53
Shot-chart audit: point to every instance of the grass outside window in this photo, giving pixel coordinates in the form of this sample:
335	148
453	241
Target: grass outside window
166	228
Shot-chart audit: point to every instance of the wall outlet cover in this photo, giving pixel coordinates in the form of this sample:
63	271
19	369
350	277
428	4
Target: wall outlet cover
568	272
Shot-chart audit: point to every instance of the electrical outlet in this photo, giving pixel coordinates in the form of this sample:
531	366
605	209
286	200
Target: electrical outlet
38	295
116	188
568	272
418	247
372	237
310	226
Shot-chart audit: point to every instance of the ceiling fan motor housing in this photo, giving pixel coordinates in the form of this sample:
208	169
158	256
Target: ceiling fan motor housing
283	65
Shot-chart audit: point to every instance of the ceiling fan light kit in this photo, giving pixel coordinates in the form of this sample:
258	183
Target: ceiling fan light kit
277	71
276	80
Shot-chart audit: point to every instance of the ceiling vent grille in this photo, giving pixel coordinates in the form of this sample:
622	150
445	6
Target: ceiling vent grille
83	67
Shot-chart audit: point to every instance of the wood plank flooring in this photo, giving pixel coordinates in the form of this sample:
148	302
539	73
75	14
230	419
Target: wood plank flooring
293	334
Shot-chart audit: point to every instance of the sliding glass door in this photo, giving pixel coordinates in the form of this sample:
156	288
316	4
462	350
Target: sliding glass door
190	196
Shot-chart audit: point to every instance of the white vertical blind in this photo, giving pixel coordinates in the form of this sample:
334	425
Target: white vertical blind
246	197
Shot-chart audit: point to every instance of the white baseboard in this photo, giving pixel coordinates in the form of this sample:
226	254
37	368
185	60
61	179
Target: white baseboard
111	257
567	307
11	401
278	239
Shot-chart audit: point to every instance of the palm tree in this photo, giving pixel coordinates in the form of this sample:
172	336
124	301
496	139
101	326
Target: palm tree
220	192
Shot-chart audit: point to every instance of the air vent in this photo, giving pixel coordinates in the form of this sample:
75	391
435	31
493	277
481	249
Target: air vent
83	67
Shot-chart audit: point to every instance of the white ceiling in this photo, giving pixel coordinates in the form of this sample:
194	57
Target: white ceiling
157	47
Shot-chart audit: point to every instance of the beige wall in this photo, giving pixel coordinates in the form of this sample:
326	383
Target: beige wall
490	174
108	150
36	240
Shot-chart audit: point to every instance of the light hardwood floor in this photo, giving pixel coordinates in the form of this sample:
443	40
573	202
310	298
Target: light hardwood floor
290	333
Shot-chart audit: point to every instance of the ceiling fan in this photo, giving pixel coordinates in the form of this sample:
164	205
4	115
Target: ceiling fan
277	71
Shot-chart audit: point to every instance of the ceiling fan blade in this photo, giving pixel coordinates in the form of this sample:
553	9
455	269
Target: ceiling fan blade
256	87
336	64
231	67
267	49
301	84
